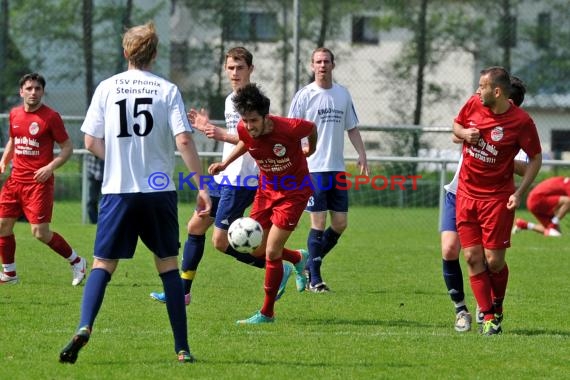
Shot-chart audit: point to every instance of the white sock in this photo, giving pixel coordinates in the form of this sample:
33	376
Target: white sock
530	225
72	257
9	267
555	220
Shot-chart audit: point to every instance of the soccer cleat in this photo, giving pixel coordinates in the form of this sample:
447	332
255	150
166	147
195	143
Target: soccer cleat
256	319
300	278
480	319
498	317
8	280
520	224
463	321
493	326
185	357
78	271
321	287
70	352
160	297
552	230
287	270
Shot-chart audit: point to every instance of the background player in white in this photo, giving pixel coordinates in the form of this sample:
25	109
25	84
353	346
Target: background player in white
135	121
329	105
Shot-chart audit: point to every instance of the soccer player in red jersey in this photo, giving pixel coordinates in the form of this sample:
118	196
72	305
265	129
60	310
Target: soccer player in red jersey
29	191
549	202
284	185
493	131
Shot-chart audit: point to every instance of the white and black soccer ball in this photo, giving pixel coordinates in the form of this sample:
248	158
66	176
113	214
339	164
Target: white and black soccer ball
245	234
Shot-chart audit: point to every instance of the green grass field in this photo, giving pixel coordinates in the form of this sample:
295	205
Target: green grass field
388	317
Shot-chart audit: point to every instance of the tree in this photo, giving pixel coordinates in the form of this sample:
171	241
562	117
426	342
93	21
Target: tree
84	51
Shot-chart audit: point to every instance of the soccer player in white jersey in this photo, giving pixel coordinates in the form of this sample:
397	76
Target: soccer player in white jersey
329	105
135	122
234	188
450	246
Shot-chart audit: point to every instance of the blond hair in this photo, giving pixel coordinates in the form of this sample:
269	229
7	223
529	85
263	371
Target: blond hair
140	44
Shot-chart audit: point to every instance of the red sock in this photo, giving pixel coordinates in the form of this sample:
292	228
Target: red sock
291	255
499	282
481	287
60	246
8	251
273	277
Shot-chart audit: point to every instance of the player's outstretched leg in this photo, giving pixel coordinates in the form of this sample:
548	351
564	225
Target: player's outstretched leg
71	351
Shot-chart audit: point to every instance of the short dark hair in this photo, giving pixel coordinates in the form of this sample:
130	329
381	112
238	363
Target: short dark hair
499	77
250	98
518	90
33	77
239	53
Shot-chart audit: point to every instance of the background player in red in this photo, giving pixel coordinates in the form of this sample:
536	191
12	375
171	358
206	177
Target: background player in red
549	202
493	131
29	191
275	144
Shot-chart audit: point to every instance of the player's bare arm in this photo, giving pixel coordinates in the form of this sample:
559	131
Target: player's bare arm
356	140
187	149
95	145
7	155
533	166
520	167
312	146
201	121
44	173
238	151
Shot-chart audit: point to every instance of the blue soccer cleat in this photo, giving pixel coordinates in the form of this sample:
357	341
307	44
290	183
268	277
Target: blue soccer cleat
288	268
300	278
256	319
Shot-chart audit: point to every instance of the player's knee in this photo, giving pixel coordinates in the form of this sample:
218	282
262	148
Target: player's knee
339	226
450	252
220	242
495	264
41	235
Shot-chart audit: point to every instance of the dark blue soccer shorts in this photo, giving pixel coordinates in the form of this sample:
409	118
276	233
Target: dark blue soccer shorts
330	194
123	218
234	200
448	219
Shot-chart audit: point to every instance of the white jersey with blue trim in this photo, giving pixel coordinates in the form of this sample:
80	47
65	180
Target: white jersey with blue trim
333	112
451	187
138	114
243	171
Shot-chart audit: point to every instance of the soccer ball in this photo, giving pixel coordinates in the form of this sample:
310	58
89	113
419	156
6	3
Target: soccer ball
245	235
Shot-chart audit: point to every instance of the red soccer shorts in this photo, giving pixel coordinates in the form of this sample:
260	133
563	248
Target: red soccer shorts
280	208
484	222
34	200
542	207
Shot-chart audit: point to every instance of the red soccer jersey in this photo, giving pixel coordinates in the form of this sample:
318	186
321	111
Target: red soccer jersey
282	163
552	186
33	135
488	166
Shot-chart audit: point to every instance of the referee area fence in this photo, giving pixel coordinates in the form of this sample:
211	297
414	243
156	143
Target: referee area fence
394	181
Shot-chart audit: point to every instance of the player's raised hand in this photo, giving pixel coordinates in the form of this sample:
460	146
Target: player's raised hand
199	119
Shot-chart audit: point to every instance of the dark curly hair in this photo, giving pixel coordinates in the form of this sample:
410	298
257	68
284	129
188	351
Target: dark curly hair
250	98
